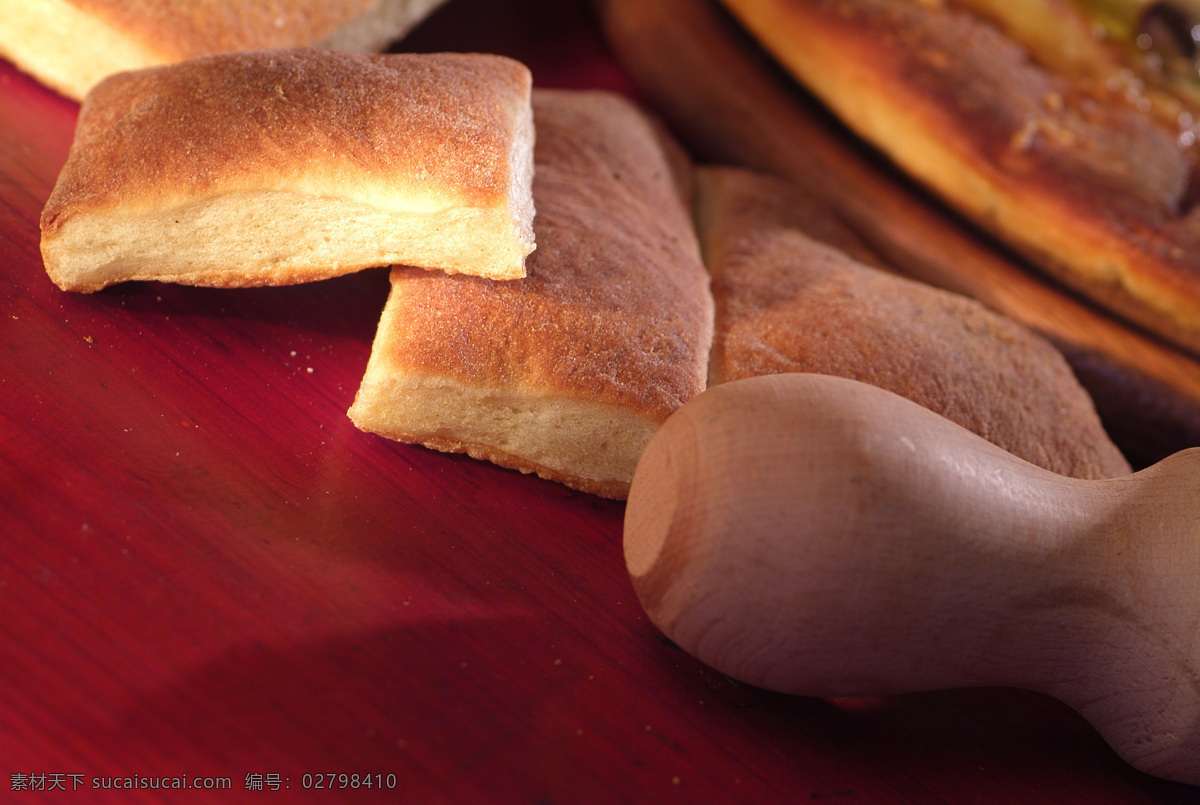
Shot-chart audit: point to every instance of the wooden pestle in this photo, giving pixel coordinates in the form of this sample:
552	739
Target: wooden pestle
819	536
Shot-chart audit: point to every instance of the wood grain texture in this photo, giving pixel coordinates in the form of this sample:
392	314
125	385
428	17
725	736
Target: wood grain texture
206	570
820	536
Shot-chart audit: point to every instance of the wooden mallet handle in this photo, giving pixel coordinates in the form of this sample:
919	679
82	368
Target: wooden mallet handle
818	536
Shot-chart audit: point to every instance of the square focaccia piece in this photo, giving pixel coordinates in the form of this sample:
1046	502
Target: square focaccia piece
278	167
789	299
568	372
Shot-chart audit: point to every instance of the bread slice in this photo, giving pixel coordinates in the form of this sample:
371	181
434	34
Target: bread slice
568	372
1082	178
71	45
786	302
278	167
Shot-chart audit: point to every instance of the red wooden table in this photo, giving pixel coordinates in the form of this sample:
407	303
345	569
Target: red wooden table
208	575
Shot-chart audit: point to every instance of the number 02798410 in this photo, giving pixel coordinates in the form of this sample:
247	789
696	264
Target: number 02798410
342	780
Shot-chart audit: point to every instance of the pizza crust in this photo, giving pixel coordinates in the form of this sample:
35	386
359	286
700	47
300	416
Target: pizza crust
1097	194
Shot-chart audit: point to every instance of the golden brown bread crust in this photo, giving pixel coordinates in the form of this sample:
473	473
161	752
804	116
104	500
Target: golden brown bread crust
731	202
72	44
787	303
184	29
396	133
1097	193
605	337
232	118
